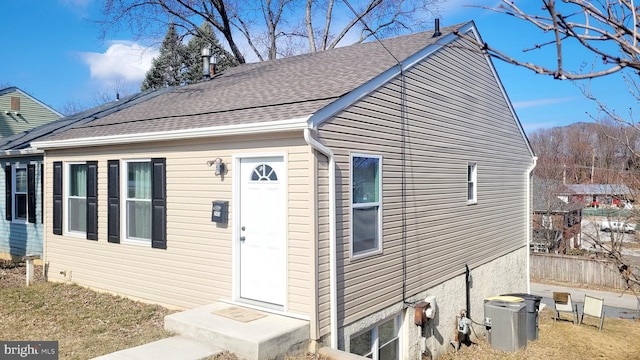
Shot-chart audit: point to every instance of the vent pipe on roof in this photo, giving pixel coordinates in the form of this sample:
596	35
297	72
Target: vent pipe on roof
213	64
436	30
206	66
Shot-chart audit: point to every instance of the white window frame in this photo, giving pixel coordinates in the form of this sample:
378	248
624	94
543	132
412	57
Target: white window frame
472	180
66	207
124	222
547	221
14	187
354	205
375	343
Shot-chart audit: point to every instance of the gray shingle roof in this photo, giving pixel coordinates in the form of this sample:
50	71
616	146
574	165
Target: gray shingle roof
600	189
282	89
51	129
545	196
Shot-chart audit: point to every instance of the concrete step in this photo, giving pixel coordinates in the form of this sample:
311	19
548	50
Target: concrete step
177	347
262	337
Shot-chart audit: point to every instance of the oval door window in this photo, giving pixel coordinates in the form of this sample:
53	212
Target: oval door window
264	172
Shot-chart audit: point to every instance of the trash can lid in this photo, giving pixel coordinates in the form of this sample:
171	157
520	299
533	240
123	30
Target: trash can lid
506	298
525	296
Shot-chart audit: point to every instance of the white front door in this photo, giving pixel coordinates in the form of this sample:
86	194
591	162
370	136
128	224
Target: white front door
263	229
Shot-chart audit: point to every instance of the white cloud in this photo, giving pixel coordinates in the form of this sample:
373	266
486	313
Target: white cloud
123	60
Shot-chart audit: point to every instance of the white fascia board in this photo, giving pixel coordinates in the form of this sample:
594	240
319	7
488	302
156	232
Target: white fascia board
241	129
377	82
21	152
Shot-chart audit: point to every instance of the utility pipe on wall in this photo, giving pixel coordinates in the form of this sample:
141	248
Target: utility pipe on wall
333	302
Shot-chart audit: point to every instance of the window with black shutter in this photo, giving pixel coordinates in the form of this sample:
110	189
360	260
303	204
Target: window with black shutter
92	200
158	204
8	181
31	193
113	201
57	198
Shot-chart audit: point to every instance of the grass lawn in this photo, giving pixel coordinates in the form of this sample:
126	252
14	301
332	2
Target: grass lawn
563	340
88	324
85	323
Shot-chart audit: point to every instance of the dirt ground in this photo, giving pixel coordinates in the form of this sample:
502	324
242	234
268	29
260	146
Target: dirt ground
13	274
96	324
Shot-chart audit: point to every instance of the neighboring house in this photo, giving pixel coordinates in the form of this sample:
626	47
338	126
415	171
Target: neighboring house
557	217
339	187
596	195
21	225
20	111
21	229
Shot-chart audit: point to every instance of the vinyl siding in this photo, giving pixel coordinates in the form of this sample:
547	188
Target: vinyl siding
456	114
31	114
20	237
196	267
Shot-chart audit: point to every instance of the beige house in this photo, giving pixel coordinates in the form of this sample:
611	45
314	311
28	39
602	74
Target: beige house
340	187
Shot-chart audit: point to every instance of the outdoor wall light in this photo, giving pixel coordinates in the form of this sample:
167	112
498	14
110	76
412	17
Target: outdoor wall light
220	167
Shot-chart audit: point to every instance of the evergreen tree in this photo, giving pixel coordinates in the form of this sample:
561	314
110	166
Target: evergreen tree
193	59
168	67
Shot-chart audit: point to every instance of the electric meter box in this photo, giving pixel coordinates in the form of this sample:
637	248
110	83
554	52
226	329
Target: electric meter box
506	324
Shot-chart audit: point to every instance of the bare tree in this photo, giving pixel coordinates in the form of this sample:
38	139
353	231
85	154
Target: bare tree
111	92
608	30
266	27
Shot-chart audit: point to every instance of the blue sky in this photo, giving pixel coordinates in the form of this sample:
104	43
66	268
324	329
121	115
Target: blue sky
52	52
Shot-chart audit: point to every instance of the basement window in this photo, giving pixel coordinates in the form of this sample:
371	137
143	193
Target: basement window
380	342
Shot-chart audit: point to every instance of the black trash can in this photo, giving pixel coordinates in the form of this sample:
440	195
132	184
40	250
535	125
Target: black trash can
532	303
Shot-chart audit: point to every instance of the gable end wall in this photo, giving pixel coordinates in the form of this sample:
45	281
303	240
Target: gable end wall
455	113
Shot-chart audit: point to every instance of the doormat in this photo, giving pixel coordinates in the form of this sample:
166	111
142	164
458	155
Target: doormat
239	314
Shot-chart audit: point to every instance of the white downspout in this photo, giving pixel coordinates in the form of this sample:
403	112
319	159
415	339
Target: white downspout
529	210
332	234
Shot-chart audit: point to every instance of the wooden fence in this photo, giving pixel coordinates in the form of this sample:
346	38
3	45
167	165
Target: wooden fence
575	270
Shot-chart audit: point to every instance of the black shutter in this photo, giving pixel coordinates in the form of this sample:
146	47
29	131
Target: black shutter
41	193
113	200
57	197
31	193
92	200
8	177
158	204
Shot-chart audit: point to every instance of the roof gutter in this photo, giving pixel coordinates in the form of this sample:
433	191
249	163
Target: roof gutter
333	302
240	129
21	152
528	226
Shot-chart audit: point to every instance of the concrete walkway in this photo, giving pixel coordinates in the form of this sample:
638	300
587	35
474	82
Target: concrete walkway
616	304
177	347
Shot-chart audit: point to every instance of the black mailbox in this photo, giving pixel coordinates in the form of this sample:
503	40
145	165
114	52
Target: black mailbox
219	211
